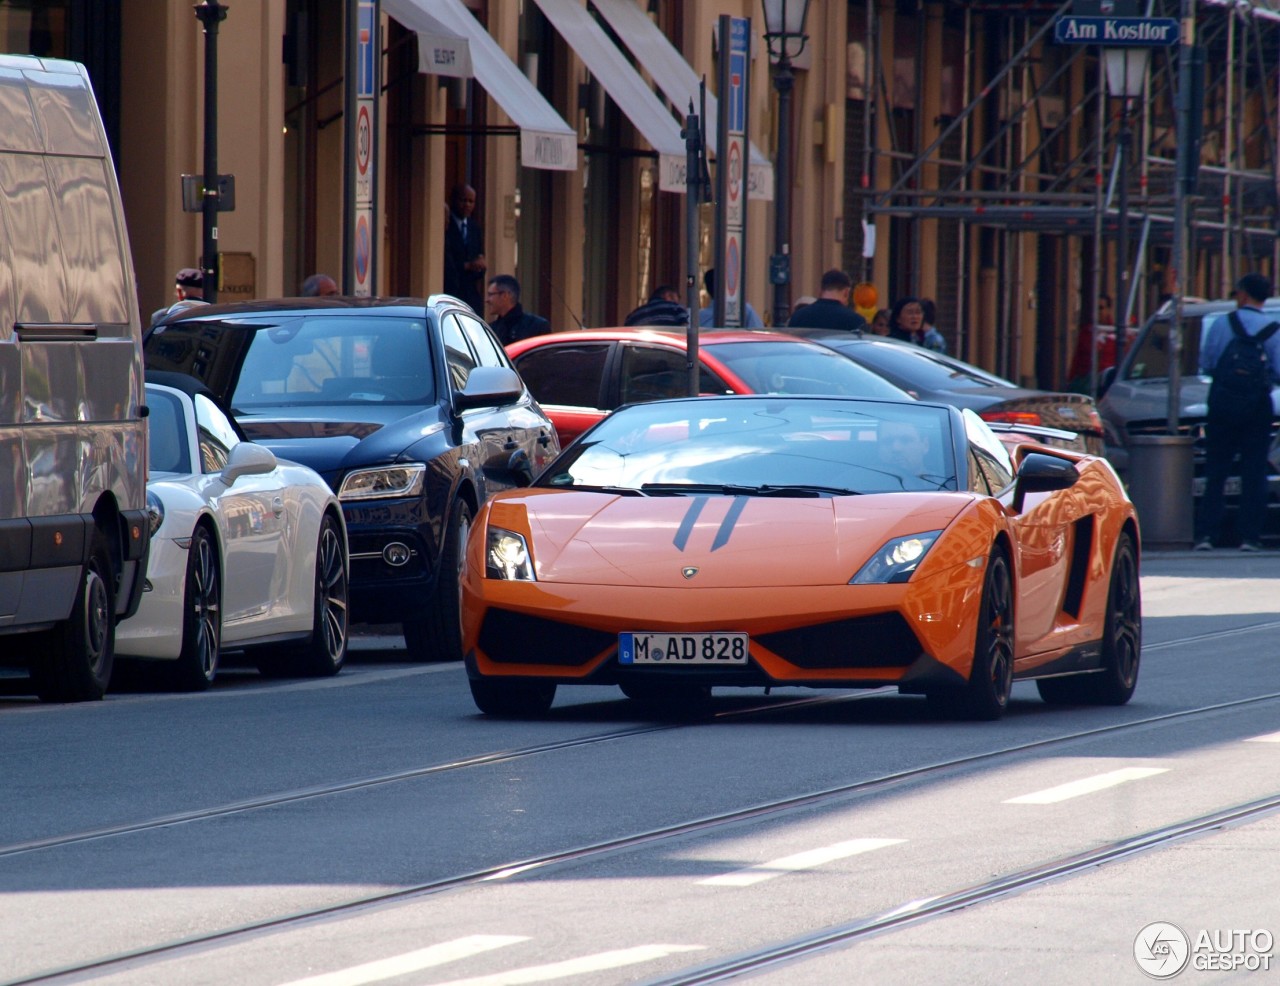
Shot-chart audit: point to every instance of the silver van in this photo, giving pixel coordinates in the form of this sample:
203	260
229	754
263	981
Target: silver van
1137	397
73	524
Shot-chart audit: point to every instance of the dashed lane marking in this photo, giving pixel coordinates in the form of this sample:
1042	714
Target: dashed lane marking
399	965
1087	785
807	860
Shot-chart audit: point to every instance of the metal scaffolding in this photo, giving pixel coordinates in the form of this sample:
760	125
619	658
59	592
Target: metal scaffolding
1034	151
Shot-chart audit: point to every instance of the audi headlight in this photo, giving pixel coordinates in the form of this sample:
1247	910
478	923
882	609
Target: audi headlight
382	482
155	512
897	560
506	556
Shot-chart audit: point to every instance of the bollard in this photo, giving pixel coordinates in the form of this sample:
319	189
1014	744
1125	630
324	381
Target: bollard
1161	471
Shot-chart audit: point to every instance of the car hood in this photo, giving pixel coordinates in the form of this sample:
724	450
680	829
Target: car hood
331	438
601	539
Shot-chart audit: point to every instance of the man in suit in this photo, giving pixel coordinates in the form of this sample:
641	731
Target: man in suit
464	263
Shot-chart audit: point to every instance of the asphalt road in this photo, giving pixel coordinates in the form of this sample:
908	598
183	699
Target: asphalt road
374	828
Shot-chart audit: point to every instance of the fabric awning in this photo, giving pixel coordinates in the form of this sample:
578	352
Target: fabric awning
624	85
440	50
677	79
546	141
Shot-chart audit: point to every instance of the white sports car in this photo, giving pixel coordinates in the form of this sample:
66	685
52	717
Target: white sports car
247	551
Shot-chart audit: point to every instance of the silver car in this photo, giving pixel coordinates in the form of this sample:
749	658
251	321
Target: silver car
1136	401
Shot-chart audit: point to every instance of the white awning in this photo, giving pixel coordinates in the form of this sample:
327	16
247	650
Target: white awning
546	141
676	78
440	50
624	85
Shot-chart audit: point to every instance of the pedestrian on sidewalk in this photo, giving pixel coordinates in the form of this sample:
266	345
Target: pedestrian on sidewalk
1241	352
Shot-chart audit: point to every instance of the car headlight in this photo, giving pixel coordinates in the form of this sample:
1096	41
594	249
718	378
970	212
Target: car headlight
155	512
897	560
506	556
381	482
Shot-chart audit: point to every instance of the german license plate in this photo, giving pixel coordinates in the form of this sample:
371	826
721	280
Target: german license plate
1230	488
682	648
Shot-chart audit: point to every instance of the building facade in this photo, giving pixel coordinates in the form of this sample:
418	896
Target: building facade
939	148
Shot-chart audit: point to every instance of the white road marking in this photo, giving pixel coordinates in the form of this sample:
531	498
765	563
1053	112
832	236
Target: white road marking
399	965
1099	782
576	967
800	861
1269	738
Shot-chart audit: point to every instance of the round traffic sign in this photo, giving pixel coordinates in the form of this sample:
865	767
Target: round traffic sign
362	250
735	171
364	139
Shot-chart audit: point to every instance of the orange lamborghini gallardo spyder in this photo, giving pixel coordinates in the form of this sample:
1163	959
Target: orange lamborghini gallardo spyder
759	541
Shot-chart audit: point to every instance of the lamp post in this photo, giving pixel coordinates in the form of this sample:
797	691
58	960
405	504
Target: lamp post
1126	77
210	13
784	34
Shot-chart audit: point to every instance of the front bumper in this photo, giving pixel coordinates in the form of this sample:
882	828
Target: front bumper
917	635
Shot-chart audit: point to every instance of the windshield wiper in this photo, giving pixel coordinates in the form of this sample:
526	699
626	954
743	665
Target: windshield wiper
730	489
583	487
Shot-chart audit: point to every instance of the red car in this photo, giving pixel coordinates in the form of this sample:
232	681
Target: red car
580	376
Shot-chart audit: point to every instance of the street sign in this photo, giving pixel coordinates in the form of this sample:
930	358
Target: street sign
731	158
1117	32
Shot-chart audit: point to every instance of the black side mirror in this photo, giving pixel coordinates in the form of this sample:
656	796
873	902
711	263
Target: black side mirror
1041	473
489	386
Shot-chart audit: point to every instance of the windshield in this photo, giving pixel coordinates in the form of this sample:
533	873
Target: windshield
337	361
1150	358
763	446
800	368
301	360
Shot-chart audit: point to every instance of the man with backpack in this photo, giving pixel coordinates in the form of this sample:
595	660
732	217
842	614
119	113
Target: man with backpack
1241	352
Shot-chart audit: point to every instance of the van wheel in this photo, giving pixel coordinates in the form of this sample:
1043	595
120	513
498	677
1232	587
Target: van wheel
438	637
73	662
197	664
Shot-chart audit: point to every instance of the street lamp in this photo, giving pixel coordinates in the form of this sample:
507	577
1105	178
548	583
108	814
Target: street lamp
784	34
210	13
1126	70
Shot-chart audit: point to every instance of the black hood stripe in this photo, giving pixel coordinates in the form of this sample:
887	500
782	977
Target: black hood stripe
730	519
686	525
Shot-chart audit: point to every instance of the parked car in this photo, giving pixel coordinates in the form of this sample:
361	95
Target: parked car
245	549
1136	400
409	409
932	376
814	541
580	376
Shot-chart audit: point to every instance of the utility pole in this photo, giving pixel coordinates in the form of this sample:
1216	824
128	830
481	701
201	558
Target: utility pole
210	13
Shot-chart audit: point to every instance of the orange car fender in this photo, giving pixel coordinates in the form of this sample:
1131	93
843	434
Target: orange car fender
946	590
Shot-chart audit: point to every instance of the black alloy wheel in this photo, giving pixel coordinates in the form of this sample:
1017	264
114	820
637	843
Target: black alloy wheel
986	695
324	652
197	663
438	636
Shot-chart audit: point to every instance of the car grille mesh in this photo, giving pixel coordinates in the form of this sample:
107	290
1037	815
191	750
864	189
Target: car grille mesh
514	638
880	641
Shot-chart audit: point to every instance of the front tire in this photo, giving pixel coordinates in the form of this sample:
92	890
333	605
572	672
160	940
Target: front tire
197	663
324	652
438	637
72	662
1121	642
512	699
986	695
